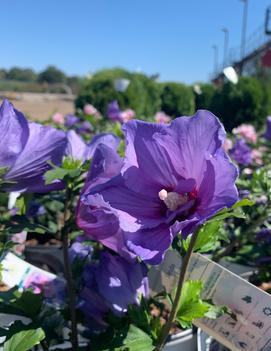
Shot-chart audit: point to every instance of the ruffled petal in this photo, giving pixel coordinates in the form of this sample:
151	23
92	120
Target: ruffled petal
44	144
108	139
14	133
76	147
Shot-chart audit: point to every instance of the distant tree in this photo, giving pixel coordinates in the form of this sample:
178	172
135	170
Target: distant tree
21	74
3	74
52	75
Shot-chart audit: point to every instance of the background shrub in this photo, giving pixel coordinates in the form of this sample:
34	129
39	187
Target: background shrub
142	94
204	100
177	99
244	102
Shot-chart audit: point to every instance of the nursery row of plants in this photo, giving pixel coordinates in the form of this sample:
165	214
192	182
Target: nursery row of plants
248	101
111	195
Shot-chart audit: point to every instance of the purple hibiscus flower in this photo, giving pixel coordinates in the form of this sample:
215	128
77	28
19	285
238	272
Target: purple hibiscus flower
85	128
112	284
267	134
78	251
114	111
25	149
79	150
173	178
71	120
241	152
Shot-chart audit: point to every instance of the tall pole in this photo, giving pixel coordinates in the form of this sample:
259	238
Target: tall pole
215	48
226	46
244	29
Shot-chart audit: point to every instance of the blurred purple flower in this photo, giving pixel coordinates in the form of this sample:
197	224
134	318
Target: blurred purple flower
35	209
114	111
267	134
25	149
173	178
115	114
71	120
241	152
112	284
80	252
264	235
84	128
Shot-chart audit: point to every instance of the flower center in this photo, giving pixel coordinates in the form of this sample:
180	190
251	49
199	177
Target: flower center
172	200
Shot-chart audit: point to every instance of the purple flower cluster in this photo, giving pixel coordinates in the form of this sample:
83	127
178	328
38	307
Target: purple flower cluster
173	178
115	114
241	152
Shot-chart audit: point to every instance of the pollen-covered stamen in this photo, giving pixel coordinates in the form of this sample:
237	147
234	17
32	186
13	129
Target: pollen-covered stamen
172	200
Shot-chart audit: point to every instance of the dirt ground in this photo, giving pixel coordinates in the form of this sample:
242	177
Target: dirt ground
39	106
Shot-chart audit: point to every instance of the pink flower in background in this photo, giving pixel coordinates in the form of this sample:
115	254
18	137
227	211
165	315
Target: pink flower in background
58	118
257	156
19	239
247	131
90	110
161	117
127	115
228	144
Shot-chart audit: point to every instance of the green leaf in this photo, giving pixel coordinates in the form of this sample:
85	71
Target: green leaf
54	174
190	305
24	340
24	303
29	303
208	236
242	203
216	311
137	340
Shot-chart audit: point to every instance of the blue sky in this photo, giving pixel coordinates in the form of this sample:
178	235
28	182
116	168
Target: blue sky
170	37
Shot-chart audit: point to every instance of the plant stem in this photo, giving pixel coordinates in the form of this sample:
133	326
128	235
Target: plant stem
68	273
174	309
44	345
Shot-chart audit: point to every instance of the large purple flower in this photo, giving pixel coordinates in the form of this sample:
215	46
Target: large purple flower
112	284
241	152
25	149
173	178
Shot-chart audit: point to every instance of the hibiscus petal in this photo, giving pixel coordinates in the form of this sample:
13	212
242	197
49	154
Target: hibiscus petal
44	144
13	134
111	140
76	147
150	244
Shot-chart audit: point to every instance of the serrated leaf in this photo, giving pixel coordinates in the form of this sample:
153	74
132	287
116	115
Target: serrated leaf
24	340
190	305
137	340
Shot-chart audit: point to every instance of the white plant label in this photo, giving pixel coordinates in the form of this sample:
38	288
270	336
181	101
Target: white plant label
252	306
19	272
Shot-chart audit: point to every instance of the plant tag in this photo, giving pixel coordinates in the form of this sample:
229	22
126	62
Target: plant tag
252	306
17	272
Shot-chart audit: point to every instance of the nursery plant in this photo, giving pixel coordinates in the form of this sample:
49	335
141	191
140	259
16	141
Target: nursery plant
116	211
